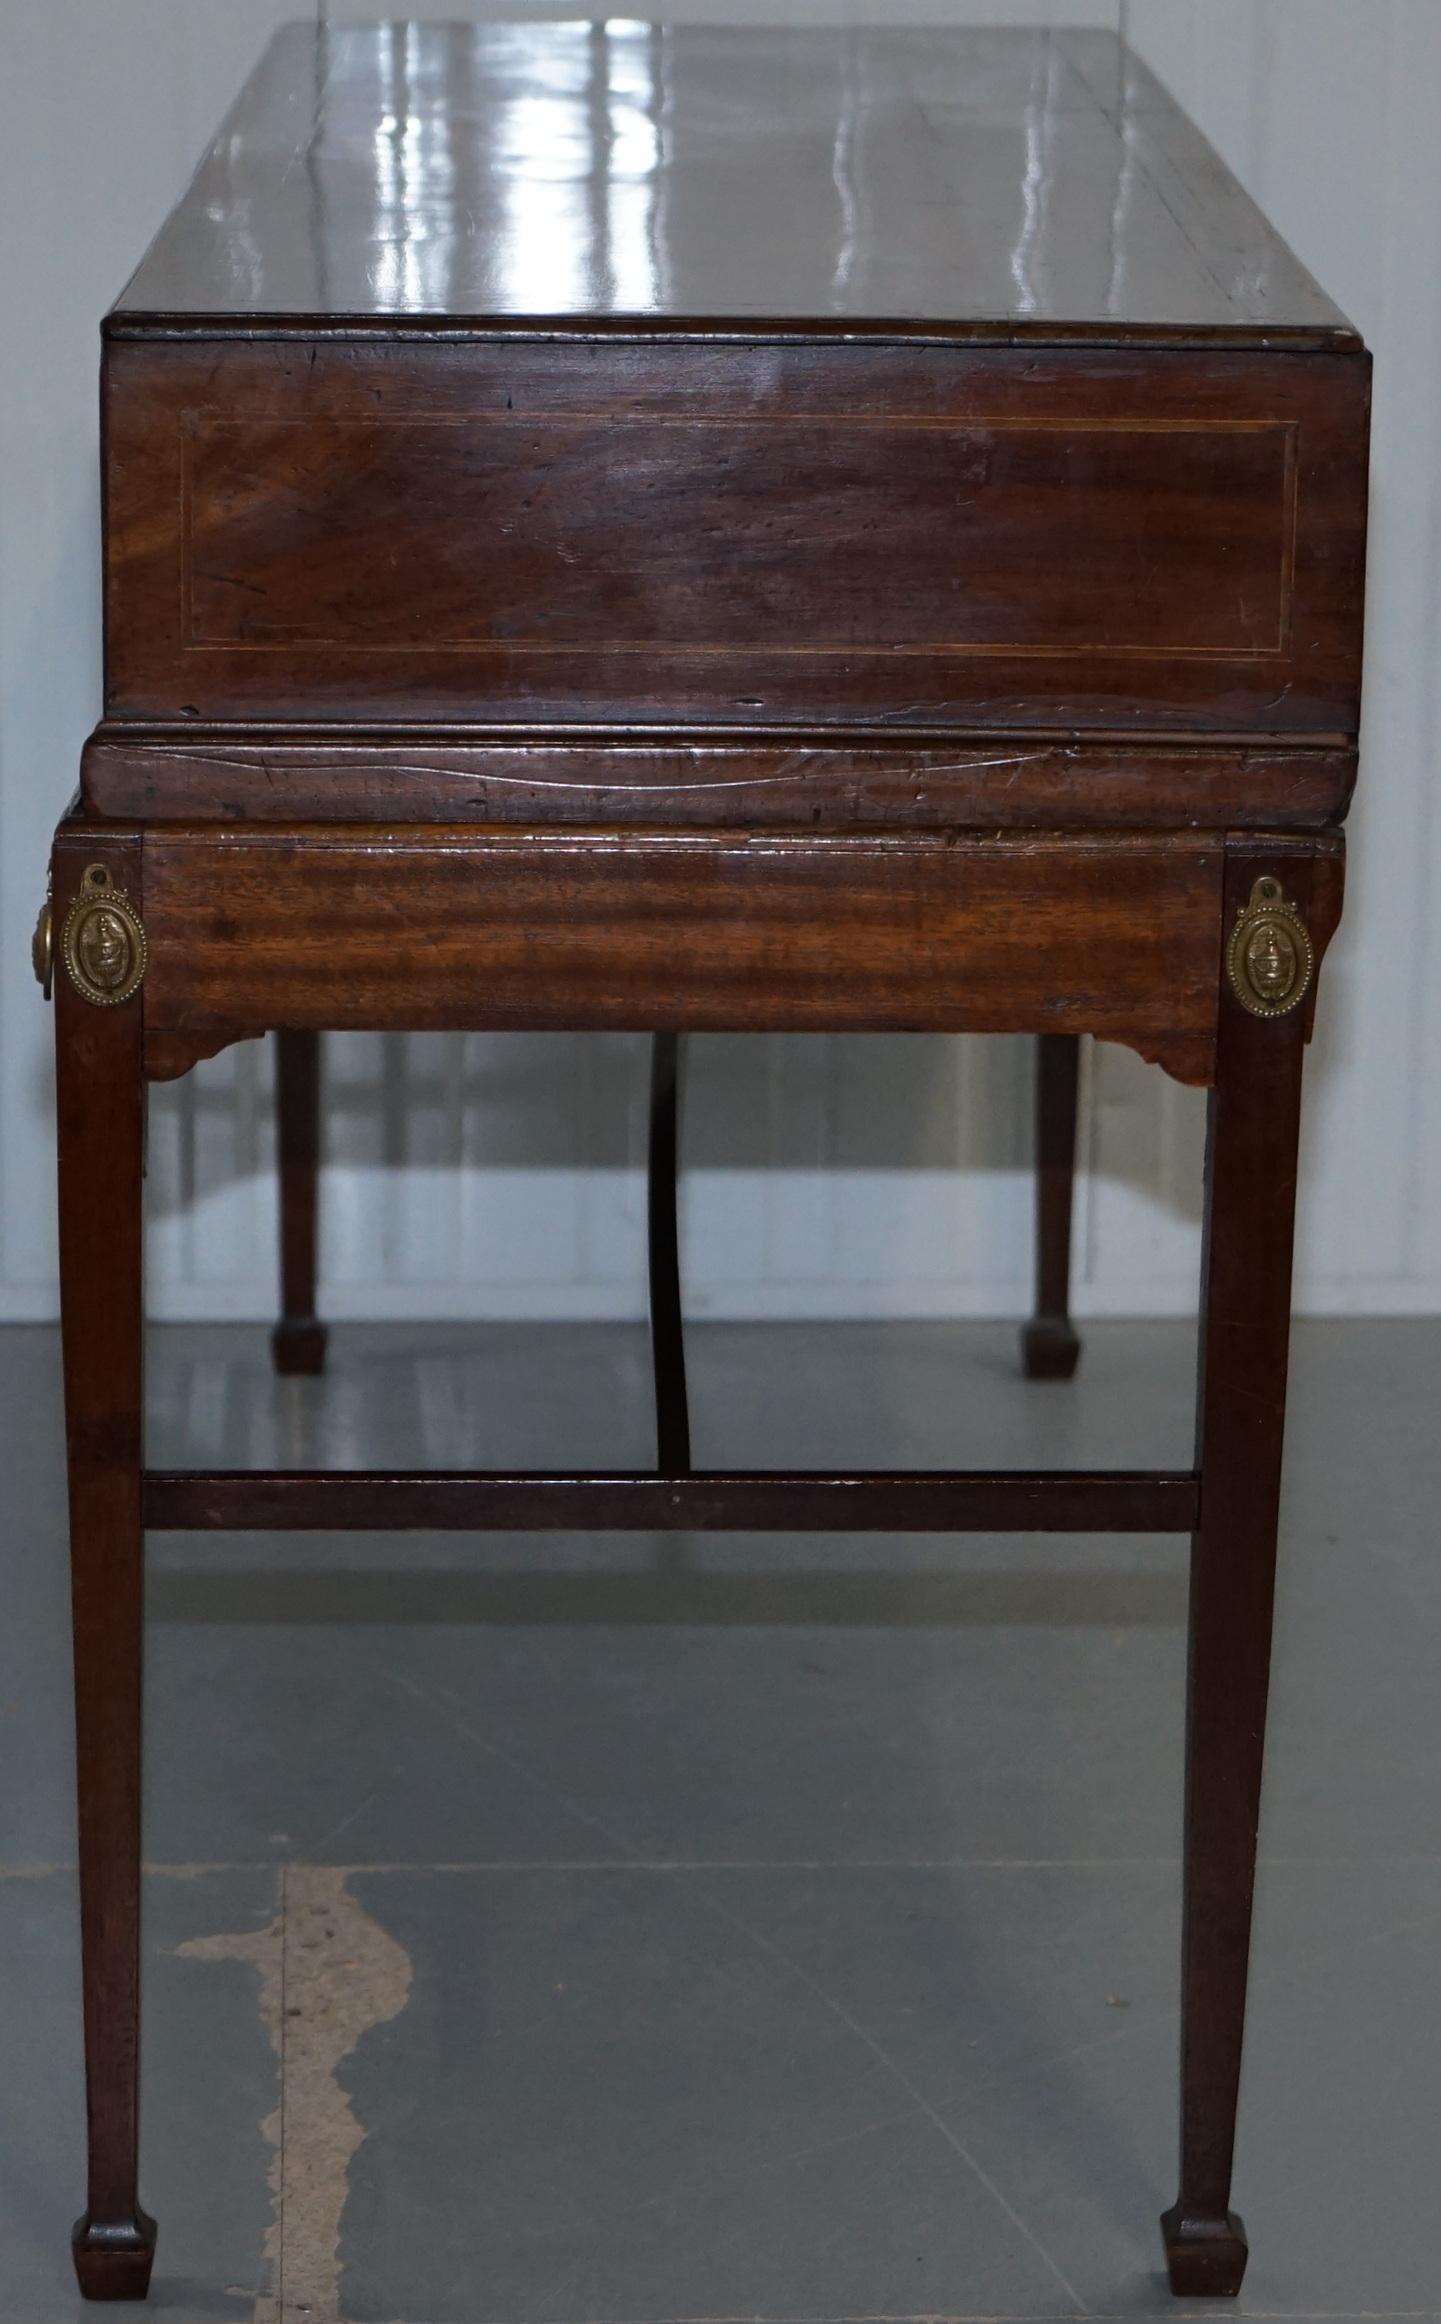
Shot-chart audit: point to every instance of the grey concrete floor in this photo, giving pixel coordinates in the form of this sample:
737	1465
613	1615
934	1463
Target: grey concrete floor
616	1932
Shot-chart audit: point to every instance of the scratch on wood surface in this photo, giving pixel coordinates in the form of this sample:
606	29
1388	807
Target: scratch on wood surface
328	1974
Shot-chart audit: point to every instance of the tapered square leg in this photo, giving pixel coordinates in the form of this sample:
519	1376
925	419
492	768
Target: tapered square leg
1050	1347
1245	1332
667	1329
1205	2257
100	1098
114	2263
298	1342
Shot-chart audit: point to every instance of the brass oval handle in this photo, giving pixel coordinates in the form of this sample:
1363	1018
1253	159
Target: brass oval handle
103	941
1270	959
42	949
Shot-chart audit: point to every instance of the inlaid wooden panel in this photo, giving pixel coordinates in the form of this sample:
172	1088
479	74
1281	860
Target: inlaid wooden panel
767	533
614	532
423	928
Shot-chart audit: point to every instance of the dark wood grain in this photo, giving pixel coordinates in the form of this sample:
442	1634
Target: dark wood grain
969	537
299	1339
429	928
1025	183
1245	1332
100	1101
1143	1501
1050	1346
706	779
667	1328
512	534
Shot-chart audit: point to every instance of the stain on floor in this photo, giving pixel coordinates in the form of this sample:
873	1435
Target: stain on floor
328	1973
746	1945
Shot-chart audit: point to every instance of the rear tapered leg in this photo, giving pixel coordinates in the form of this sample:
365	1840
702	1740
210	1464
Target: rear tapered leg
672	1409
299	1339
1245	1331
1049	1345
100	1107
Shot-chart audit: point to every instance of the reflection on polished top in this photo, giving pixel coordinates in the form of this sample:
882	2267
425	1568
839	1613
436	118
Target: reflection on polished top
616	172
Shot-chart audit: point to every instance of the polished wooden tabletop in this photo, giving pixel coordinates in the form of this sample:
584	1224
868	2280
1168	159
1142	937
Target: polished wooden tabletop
1011	183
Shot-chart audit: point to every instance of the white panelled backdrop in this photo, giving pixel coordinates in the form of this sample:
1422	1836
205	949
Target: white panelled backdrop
826	1176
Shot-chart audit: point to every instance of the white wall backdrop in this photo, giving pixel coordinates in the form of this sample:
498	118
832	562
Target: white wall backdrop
826	1176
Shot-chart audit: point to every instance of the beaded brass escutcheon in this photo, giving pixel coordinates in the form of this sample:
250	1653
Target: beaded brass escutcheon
103	941
1270	959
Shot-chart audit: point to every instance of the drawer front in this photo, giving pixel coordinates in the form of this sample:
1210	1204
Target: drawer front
710	782
433	929
622	532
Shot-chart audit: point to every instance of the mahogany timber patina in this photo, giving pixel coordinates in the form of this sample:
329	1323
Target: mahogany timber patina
493	930
1022	782
299	1340
861	535
672	1403
1050	1346
846	529
100	1108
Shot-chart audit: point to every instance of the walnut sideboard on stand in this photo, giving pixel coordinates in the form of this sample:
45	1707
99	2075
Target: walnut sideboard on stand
677	530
